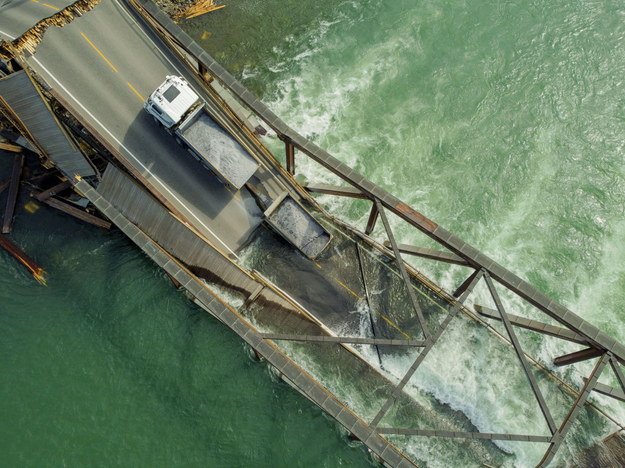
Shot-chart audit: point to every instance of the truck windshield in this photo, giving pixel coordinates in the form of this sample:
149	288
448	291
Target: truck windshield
171	93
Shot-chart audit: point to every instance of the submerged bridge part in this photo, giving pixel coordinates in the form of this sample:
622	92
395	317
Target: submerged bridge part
357	330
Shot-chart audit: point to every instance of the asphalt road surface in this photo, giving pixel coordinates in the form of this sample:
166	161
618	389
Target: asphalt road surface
106	77
104	64
17	16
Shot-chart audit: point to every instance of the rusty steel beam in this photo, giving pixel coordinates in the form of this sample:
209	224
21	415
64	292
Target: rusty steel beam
337	190
431	254
577	356
558	437
342	339
77	213
519	352
429	344
404	273
463	435
534	325
290	156
18	163
617	372
467	283
19	255
373	218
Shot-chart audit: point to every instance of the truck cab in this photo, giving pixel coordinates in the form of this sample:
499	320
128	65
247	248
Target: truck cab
171	101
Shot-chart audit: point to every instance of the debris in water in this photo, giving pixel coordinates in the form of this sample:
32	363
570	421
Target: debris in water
24	259
198	8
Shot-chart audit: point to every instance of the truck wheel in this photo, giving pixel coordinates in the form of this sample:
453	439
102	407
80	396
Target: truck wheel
158	122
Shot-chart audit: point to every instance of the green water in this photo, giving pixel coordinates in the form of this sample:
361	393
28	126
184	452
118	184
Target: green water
502	121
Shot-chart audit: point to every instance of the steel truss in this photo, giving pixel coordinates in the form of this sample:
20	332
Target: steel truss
453	250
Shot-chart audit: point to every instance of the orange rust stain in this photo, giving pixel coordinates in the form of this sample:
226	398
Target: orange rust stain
405	209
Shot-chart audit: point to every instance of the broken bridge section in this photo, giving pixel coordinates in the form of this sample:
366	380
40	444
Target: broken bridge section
22	104
345	370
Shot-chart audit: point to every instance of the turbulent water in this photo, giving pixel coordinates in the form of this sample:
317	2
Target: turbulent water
502	121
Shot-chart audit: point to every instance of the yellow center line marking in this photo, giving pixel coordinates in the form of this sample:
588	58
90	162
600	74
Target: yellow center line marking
392	324
135	91
49	6
318	266
101	54
386	319
347	289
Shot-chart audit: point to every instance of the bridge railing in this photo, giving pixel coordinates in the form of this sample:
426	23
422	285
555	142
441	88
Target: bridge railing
574	329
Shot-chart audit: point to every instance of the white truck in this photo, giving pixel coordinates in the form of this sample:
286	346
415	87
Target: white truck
176	107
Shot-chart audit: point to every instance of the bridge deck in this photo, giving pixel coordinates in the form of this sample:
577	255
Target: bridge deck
291	309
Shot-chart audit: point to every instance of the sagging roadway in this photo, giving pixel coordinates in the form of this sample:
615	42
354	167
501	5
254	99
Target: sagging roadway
106	77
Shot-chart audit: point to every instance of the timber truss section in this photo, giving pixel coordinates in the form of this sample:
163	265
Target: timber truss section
595	344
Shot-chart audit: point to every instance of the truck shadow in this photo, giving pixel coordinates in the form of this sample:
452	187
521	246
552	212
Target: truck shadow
188	186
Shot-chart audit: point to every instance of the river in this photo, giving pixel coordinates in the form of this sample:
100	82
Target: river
502	121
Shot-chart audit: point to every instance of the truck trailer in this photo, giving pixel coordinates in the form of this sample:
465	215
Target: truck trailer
176	107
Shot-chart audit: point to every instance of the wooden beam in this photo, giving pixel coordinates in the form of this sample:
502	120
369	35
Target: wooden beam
577	356
77	213
19	255
58	188
10	147
534	325
18	163
339	191
432	254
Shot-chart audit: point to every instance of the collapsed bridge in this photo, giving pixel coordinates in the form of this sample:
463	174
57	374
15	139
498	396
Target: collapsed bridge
359	310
